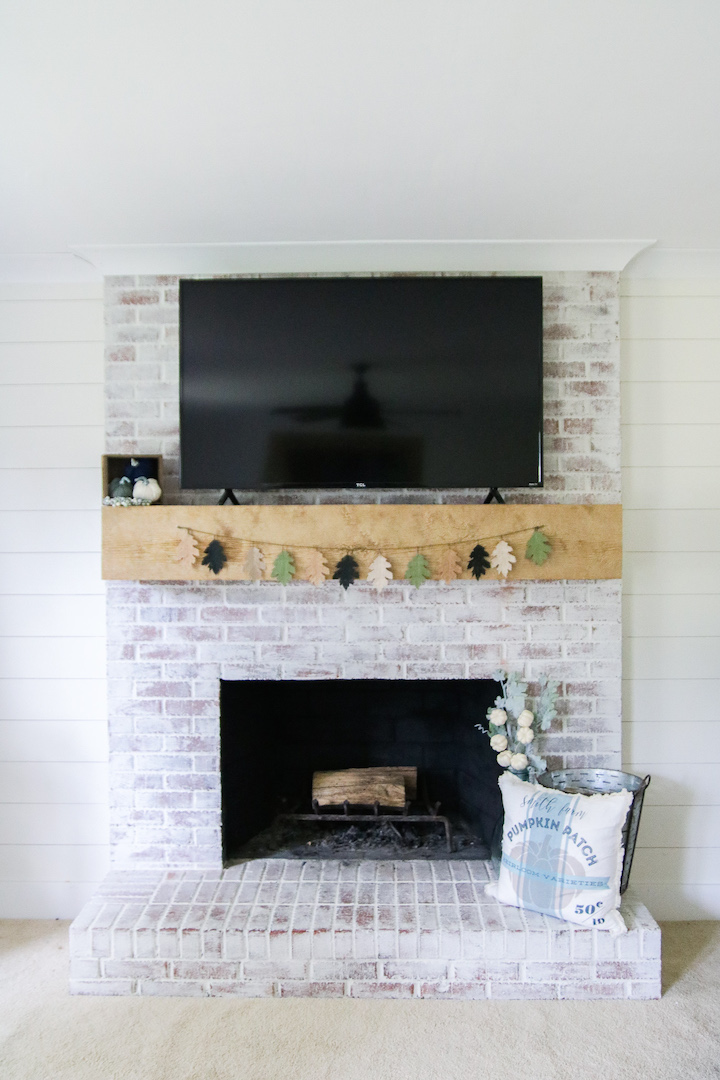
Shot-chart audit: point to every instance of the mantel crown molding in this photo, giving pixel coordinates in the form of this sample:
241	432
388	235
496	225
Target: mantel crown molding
362	256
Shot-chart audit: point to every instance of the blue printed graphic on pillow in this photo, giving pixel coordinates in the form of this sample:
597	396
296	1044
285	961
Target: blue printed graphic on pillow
547	856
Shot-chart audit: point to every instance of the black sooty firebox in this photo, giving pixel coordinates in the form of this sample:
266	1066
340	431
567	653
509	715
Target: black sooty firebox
276	735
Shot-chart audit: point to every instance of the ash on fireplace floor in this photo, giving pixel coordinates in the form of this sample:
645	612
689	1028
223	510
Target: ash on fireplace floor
305	840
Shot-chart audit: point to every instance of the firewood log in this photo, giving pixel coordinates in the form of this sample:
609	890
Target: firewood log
388	786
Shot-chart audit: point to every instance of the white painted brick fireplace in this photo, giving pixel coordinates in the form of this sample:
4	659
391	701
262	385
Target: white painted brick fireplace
168	919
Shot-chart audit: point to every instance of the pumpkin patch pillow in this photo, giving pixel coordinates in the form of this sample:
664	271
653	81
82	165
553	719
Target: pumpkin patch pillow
562	854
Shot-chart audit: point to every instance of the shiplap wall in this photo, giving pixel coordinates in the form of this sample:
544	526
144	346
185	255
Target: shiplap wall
53	773
671	493
53	740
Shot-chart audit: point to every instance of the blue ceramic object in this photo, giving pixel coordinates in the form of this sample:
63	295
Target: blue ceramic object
138	467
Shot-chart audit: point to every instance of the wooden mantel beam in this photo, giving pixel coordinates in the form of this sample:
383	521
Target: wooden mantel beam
139	543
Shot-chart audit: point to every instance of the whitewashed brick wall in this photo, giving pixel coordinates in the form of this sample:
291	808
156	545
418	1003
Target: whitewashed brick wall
169	644
582	392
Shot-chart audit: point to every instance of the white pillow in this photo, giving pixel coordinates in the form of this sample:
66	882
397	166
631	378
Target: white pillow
562	854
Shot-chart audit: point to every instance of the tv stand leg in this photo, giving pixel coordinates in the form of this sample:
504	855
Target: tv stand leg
228	495
494	495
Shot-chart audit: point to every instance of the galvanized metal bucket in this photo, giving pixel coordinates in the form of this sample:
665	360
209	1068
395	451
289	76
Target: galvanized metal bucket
602	782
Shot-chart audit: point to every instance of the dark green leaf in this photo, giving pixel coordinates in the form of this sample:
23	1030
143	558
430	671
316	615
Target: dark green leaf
215	557
347	571
479	561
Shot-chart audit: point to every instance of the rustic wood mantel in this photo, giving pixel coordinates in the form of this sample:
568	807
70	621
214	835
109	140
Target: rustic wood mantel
139	543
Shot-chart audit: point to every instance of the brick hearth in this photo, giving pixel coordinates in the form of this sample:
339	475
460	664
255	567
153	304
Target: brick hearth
333	929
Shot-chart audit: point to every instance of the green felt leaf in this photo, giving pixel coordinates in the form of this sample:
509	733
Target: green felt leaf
479	561
283	567
418	570
538	548
215	557
347	571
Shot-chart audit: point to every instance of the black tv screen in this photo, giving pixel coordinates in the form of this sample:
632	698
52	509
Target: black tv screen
392	382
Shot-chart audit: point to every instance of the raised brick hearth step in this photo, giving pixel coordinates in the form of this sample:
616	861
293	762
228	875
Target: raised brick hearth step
361	929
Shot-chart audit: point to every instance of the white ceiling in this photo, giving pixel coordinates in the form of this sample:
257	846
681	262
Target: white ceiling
207	121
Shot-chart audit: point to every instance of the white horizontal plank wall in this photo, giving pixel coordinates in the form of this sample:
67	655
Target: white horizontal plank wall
53	732
670	334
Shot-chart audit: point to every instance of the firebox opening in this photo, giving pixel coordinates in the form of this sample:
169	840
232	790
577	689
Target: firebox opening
275	734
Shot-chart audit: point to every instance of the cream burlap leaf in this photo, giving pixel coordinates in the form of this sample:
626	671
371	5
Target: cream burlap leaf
254	565
187	551
502	558
316	568
379	573
450	566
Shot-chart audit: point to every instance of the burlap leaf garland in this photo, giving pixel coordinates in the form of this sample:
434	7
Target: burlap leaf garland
315	569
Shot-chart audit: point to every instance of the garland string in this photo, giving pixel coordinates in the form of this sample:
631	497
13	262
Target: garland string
359	547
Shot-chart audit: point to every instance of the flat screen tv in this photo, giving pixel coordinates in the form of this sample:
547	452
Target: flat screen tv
347	382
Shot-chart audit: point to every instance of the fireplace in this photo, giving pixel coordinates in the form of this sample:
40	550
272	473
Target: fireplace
170	918
274	734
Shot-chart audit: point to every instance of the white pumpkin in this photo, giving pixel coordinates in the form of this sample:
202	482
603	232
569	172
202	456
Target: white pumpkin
504	759
499	742
147	489
525	718
518	762
498	717
525	735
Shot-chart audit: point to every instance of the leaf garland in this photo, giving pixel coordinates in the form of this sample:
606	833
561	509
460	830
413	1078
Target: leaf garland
538	548
317	568
254	565
479	562
284	567
450	566
187	551
379	573
502	558
418	570
346	571
215	557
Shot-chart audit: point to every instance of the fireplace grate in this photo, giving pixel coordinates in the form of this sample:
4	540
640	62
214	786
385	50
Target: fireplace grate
353	814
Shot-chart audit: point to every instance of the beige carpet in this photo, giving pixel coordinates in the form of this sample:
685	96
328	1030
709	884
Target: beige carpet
47	1035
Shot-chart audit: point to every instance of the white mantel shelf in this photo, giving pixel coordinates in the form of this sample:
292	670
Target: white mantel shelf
362	256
